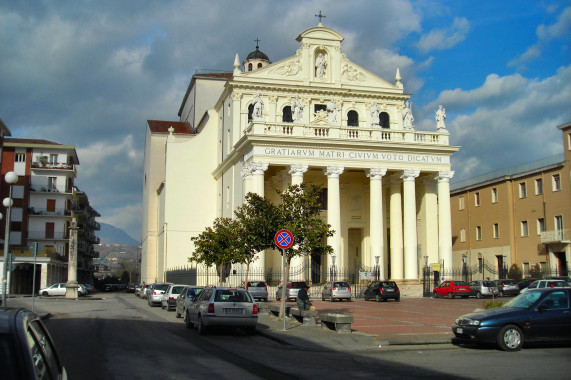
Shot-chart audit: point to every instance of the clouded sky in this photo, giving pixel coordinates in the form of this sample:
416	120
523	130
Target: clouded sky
90	73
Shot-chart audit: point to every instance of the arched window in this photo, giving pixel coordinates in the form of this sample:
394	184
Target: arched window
352	119
250	112
286	115
384	120
249	67
259	65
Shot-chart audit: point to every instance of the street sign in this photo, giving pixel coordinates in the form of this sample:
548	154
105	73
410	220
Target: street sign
284	239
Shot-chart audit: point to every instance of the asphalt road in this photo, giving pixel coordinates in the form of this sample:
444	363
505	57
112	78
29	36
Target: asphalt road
121	337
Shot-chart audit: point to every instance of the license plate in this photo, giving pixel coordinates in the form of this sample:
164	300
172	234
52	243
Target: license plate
342	288
390	290
459	330
233	311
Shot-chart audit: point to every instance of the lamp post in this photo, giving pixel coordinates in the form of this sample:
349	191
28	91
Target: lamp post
464	269
333	268
377	269
10	178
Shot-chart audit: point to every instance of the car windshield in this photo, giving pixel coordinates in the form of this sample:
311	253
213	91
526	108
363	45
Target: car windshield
256	284
232	295
177	289
388	284
489	284
523	301
192	292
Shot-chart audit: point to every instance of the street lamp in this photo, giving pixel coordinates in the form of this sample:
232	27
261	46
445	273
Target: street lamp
333	267
377	269
10	178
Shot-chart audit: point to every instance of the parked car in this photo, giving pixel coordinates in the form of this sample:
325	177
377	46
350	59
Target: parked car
184	300
224	307
88	288
507	287
130	288
148	290
168	299
138	290
292	289
382	291
567	279
524	283
144	288
60	289
156	293
541	284
452	289
258	290
483	288
540	315
28	350
336	290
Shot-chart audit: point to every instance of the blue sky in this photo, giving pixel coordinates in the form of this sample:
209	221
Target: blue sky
90	73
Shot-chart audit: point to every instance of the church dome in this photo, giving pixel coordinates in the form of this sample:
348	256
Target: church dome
257	54
256	59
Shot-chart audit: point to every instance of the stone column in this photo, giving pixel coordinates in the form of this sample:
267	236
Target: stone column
396	248
257	170
297	262
334	213
444	218
409	222
376	218
72	286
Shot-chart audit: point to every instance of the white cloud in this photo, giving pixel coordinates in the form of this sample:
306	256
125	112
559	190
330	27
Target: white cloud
129	60
443	39
127	217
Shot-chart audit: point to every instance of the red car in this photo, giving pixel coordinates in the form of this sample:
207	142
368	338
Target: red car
452	289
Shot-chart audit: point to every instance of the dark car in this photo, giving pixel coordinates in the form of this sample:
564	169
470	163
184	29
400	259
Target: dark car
539	315
525	282
382	290
28	351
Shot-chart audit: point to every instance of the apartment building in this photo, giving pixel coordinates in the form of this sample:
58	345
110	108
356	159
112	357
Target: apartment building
45	200
516	216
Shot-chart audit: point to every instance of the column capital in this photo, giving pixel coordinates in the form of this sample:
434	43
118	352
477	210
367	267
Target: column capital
297	170
410	174
333	171
258	167
376	173
245	172
444	176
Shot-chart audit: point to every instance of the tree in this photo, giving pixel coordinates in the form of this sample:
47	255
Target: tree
258	220
218	245
300	214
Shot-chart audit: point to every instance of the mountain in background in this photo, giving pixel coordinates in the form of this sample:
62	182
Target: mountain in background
109	234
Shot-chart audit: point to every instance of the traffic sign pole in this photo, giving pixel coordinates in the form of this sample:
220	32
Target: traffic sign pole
284	240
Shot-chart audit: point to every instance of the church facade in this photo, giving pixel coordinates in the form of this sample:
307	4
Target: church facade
315	117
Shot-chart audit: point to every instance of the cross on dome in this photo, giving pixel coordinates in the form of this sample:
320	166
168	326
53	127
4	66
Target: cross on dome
320	17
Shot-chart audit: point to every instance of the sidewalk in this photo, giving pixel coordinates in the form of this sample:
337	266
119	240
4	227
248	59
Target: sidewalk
413	321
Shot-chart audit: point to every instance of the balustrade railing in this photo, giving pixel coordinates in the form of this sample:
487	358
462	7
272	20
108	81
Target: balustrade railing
555	236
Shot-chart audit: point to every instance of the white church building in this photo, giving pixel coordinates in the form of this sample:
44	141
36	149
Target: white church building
314	117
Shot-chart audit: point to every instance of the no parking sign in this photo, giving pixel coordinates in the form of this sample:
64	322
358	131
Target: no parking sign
284	239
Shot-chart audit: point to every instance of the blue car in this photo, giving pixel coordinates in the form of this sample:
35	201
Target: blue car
540	315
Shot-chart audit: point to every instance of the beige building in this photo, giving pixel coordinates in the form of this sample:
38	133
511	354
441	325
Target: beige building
314	117
516	215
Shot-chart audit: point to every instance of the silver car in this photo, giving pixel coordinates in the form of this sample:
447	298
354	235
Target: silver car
185	299
155	295
483	288
292	289
258	290
223	307
336	290
60	289
168	300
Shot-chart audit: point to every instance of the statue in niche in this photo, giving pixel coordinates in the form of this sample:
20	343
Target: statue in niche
407	117
297	109
258	112
320	64
375	111
332	111
440	117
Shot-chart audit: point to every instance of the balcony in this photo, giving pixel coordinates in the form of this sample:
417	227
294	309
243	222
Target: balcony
44	235
51	166
35	211
46	189
555	237
347	133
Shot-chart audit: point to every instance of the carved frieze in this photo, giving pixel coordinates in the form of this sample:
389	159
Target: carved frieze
350	73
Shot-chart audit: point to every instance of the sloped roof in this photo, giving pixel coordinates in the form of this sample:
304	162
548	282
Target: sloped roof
29	141
162	126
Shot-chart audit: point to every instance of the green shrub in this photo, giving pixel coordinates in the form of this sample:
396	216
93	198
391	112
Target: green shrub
492	304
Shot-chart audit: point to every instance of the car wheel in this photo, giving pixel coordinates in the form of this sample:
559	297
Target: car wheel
478	295
510	338
379	298
177	314
201	327
450	296
45	294
322	297
397	299
434	295
187	321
